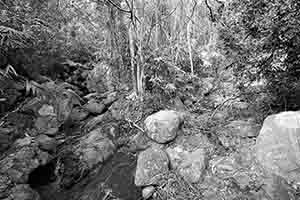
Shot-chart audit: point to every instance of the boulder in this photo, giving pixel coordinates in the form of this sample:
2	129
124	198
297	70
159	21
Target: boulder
95	148
190	165
23	192
163	126
151	163
278	145
23	159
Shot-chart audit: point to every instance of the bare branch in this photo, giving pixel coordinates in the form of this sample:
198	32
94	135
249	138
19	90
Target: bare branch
118	7
210	11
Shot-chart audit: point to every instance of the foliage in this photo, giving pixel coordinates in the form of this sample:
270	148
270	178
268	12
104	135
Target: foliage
261	38
42	34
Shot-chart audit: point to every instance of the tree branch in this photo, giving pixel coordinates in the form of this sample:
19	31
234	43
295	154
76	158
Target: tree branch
210	11
118	7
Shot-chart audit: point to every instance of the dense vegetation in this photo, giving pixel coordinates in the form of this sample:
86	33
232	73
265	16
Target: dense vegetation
79	79
257	39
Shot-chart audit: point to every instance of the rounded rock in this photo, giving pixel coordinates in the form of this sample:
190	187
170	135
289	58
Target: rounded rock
148	192
163	126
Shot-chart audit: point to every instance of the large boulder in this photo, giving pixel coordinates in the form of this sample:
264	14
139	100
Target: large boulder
23	159
190	165
151	163
95	148
278	145
163	126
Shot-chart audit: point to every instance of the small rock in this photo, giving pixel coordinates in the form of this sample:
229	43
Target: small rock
95	107
190	165
163	126
224	167
220	115
46	110
95	148
188	102
242	179
23	142
46	143
112	97
48	125
242	128
151	163
78	114
23	192
148	192
207	84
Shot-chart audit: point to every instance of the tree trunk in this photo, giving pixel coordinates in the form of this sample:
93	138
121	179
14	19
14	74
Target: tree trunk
132	54
156	42
140	66
188	34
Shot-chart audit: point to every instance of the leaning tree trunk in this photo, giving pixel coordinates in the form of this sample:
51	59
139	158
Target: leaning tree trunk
188	34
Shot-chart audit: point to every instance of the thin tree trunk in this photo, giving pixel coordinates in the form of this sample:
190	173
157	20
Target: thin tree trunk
157	24
188	34
132	54
140	50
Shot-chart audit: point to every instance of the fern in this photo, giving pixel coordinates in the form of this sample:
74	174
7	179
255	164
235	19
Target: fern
13	38
34	88
59	95
8	70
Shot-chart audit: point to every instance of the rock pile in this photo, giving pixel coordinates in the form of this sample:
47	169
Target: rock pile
158	159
